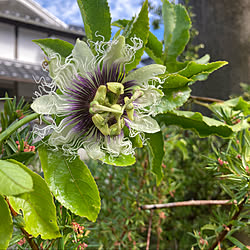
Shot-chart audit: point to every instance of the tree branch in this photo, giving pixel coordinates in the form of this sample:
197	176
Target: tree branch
188	203
149	229
205	99
223	234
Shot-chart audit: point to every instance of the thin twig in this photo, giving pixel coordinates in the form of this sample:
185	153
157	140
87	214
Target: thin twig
223	234
188	203
205	99
149	229
28	237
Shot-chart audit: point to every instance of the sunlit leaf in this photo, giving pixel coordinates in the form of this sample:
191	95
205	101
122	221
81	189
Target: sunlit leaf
38	207
96	18
121	160
173	98
71	183
13	179
176	32
139	29
203	125
52	46
154	48
155	146
200	72
236	104
6	226
174	80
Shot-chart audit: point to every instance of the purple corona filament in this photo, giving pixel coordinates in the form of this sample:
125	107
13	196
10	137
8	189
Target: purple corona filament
83	92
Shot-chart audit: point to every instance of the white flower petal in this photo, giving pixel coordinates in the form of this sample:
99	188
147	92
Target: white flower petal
62	74
151	96
116	52
83	55
142	75
118	145
82	154
144	123
62	135
93	150
49	104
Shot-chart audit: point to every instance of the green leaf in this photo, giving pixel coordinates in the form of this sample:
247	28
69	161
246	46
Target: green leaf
174	80
13	179
54	46
155	145
203	60
121	160
71	183
209	227
51	46
237	104
6	225
154	48
20	156
173	67
96	19
38	207
173	98
200	72
202	125
139	29
121	23
136	140
176	29
237	243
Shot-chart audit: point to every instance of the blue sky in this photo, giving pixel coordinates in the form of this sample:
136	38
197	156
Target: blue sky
68	11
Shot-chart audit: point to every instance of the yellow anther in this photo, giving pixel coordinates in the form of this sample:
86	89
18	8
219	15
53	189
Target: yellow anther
116	88
100	95
101	124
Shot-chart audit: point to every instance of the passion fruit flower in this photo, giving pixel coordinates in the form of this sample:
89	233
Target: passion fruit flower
91	99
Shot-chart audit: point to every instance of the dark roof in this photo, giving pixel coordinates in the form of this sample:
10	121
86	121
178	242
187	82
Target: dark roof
38	24
21	71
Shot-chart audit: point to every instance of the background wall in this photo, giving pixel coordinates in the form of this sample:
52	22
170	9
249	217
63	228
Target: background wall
224	28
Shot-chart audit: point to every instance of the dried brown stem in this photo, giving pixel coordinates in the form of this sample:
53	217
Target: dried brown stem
28	237
188	203
223	234
149	229
205	99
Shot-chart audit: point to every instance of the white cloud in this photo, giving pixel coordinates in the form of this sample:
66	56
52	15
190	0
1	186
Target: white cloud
68	10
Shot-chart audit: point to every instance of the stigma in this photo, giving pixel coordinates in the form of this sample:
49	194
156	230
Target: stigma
109	107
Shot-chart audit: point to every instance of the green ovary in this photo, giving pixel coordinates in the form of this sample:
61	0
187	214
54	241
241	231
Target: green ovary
107	113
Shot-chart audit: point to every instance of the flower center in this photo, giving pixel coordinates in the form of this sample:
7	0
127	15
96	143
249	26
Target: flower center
108	109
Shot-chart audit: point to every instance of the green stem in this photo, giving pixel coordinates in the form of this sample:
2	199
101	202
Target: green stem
13	127
61	243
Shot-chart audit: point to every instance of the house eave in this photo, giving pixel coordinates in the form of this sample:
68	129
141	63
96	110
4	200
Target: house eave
30	24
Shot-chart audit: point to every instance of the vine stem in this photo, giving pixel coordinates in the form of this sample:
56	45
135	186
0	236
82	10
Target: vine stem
13	127
188	203
28	237
223	234
149	229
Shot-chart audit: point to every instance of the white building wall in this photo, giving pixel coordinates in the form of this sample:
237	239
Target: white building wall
7	41
27	50
67	39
